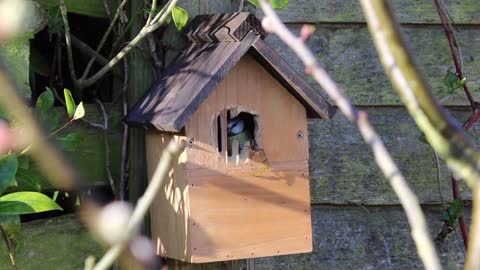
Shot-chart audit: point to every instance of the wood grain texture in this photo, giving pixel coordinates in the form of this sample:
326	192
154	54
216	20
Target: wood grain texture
249	216
343	170
370	238
170	212
349	56
228	27
348	11
292	81
250	88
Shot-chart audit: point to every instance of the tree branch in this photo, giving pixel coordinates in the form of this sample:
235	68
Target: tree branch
441	130
155	23
407	198
161	173
104	38
454	47
71	67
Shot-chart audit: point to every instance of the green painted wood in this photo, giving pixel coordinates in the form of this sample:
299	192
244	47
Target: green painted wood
343	170
90	159
54	243
139	81
348	54
93	8
411	11
15	56
370	238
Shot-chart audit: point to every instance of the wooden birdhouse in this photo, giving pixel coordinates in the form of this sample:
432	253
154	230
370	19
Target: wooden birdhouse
240	189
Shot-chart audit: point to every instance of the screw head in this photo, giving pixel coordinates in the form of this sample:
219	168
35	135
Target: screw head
300	135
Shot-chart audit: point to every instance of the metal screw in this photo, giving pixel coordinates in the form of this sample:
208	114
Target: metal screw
190	142
300	134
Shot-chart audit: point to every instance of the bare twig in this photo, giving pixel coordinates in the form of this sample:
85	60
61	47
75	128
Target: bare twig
123	163
71	67
441	130
147	29
454	48
108	169
409	201
152	11
104	38
456	52
88	51
144	203
8	243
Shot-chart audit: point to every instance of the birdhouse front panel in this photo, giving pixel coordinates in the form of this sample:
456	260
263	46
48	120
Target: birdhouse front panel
240	189
249	197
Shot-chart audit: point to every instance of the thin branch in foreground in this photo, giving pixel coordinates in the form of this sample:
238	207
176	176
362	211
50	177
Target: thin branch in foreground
409	201
143	204
442	131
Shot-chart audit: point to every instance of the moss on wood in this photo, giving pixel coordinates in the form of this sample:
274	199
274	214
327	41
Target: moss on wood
412	11
348	54
55	243
343	170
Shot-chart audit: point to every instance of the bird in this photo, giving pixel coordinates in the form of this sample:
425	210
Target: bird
235	126
238	129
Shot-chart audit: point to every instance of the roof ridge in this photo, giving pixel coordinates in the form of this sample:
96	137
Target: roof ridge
224	27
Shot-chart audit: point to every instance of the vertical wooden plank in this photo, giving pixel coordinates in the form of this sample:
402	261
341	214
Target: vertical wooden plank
140	81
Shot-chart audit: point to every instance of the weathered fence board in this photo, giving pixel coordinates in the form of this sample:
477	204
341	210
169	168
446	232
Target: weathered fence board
55	243
413	11
348	54
370	238
343	170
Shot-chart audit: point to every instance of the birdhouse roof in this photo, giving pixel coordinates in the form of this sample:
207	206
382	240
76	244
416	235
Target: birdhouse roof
216	44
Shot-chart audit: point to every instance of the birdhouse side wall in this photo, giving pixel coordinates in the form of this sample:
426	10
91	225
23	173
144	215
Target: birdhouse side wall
170	210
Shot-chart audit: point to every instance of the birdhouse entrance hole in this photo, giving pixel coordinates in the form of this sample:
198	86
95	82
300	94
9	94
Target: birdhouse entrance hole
236	133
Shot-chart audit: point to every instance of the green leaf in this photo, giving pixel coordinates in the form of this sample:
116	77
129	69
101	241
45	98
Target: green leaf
453	212
70	142
55	195
452	82
79	112
45	101
69	102
10	224
180	17
276	4
8	169
26	202
23	161
28	180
